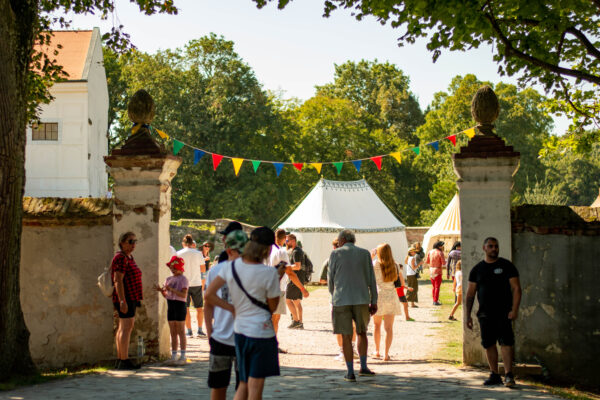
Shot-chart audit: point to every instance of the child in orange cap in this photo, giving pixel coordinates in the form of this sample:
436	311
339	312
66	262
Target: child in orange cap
175	291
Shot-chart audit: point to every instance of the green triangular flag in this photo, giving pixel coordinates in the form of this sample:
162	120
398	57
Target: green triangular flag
416	150
177	145
255	165
338	165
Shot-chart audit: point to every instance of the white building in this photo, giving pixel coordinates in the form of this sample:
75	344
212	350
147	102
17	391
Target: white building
64	153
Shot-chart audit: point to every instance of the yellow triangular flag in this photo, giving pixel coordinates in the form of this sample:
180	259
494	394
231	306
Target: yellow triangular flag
317	166
237	164
162	134
135	129
396	155
470	133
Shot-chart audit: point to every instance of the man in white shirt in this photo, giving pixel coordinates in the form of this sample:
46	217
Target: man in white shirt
195	267
279	254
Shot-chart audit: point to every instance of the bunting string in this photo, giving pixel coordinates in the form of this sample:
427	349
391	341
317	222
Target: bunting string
238	161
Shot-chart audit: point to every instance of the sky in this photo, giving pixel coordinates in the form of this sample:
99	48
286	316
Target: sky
295	49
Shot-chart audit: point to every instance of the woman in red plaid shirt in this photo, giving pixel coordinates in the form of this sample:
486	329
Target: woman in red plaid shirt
127	295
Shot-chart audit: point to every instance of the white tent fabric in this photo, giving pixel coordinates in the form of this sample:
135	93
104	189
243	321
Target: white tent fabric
335	205
446	227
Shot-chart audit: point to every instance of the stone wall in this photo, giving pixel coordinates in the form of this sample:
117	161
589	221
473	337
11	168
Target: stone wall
202	230
556	250
415	233
65	245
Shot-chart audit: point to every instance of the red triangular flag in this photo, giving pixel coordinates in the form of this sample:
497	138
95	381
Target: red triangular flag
377	161
452	139
216	160
298	166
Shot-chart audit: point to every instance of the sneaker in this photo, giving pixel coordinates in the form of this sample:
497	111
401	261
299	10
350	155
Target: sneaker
200	333
366	372
410	319
509	380
128	365
181	361
189	333
299	325
293	325
281	351
437	303
494	379
350	378
340	357
451	318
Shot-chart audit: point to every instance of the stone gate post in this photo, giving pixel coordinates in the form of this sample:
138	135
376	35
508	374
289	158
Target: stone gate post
142	172
485	170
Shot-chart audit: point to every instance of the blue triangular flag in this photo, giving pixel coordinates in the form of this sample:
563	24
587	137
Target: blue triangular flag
278	167
198	155
357	164
435	145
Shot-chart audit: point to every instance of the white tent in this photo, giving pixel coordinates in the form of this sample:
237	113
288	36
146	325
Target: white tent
445	228
335	205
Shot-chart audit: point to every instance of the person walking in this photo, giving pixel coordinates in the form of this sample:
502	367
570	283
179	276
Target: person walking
388	303
435	260
175	291
127	296
293	294
400	285
194	261
412	280
495	280
457	289
453	258
219	324
353	288
254	290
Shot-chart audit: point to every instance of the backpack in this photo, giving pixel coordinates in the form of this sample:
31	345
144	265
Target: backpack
308	267
105	282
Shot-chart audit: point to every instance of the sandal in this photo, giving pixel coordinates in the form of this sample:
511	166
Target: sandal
451	318
388	358
376	355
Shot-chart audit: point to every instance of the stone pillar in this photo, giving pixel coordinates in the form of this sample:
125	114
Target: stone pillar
142	171
485	170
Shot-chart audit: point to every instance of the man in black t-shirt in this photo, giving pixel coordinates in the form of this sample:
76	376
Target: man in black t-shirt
293	295
495	280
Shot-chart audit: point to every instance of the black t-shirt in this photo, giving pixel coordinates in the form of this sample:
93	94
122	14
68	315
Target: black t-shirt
493	287
297	255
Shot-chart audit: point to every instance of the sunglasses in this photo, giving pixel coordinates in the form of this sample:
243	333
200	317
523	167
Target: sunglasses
206	245
132	241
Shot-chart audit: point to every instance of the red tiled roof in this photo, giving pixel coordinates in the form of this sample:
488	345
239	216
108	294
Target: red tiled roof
73	54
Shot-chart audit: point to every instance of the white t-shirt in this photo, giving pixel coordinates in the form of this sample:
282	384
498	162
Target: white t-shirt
277	255
458	277
410	268
260	281
193	260
223	319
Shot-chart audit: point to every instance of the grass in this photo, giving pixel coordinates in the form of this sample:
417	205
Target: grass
52	375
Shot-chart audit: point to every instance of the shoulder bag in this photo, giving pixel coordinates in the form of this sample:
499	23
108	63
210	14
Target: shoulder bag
254	301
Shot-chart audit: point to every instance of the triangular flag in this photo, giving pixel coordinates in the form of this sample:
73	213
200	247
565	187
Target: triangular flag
377	161
216	160
416	150
317	166
278	167
338	165
397	156
357	164
470	133
435	145
135	128
162	134
255	164
237	164
452	139
299	166
198	154
177	146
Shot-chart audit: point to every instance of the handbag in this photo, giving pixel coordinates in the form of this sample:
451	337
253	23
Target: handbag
254	301
105	282
397	282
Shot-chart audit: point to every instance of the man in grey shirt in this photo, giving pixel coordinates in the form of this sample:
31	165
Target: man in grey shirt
352	286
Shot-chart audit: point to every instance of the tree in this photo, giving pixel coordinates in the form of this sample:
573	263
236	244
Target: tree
25	75
553	43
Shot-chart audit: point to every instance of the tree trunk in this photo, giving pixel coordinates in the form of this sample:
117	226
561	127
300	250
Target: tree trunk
16	41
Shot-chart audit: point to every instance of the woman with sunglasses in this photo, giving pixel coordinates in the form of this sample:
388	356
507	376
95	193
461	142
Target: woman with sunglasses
127	279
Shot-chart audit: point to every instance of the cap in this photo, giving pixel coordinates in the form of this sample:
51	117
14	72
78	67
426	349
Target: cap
263	235
232	226
236	240
176	263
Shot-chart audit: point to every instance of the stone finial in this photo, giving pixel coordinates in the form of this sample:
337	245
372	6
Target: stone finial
485	109
141	107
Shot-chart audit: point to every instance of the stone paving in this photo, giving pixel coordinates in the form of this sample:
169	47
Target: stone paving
308	371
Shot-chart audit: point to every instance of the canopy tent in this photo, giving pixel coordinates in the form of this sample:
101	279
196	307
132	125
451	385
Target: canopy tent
335	205
445	228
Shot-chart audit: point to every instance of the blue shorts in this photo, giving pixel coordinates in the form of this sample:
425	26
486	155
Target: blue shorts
256	358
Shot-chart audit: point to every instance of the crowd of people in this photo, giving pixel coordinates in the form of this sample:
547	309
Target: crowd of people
241	297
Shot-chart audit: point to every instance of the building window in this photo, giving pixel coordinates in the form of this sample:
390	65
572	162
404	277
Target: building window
45	131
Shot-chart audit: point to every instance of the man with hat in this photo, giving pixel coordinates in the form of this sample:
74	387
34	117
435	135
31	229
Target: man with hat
435	260
195	269
232	226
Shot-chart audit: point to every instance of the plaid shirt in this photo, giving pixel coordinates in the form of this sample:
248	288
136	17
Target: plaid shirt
132	280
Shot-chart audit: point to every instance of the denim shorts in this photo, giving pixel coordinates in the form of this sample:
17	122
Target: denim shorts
256	357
